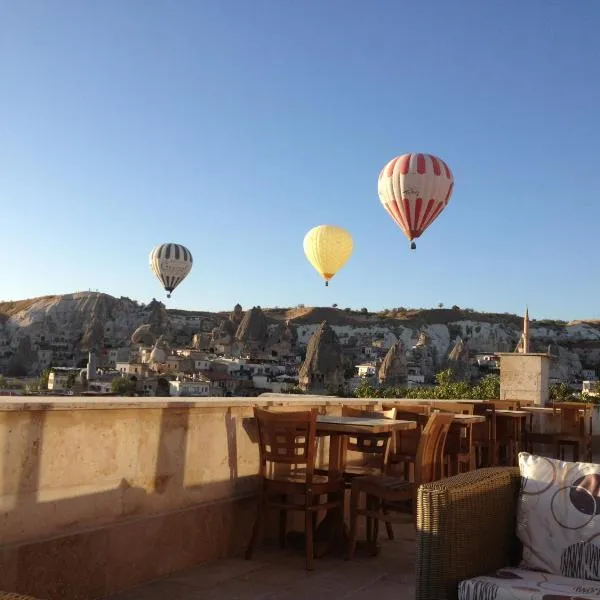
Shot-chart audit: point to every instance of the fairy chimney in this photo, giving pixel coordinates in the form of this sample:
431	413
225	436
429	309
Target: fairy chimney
251	334
322	370
393	369
459	360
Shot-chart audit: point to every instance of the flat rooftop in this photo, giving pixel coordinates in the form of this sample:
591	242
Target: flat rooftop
276	574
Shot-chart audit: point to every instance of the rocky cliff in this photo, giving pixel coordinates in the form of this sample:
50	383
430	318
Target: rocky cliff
60	330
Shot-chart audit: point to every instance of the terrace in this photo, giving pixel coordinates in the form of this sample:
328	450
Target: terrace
137	499
142	498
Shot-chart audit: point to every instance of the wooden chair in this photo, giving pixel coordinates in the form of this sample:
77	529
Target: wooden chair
386	495
534	437
458	447
484	435
406	443
287	440
505	442
575	430
374	447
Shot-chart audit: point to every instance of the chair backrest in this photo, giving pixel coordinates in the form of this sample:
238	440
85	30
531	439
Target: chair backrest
430	453
407	409
287	438
457	408
505	404
574	416
369	443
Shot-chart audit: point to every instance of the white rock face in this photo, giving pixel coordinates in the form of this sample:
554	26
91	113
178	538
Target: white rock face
55	327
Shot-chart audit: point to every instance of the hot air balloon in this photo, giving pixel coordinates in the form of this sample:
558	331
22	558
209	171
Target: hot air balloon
170	263
327	248
414	189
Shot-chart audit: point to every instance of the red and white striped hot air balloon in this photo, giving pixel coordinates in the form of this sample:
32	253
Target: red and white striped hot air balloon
414	189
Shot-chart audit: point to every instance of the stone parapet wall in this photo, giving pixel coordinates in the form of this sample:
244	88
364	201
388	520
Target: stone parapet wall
100	494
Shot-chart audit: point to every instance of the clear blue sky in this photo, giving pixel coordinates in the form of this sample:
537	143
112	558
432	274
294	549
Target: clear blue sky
234	126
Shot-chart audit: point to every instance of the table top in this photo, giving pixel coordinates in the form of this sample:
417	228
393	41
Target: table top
468	419
515	414
333	424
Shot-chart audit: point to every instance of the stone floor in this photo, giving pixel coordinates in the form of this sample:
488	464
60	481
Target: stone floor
280	575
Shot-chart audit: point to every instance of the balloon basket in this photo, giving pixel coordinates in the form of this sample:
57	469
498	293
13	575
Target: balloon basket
413	246
327	284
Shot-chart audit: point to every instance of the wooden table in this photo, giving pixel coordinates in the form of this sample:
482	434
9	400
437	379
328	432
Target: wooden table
465	423
515	420
338	428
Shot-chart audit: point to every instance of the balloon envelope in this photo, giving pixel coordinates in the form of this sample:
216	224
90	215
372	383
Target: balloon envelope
414	189
171	264
328	248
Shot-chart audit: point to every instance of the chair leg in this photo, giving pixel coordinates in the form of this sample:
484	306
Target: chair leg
368	520
354	499
255	529
375	505
388	526
309	520
282	523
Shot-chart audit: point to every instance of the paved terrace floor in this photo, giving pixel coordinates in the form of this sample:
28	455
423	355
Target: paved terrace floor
276	574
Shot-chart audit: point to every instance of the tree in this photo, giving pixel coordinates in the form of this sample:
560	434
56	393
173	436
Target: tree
3	382
440	305
43	380
364	310
124	387
560	392
162	387
70	380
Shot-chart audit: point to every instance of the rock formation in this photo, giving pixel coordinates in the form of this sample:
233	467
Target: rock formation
423	355
237	315
322	370
93	336
393	370
251	334
23	359
62	329
459	360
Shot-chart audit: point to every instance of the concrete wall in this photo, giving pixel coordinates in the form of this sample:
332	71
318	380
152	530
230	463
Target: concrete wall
98	495
524	377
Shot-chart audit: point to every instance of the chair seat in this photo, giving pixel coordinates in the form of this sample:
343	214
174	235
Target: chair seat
321	483
382	485
360	471
520	584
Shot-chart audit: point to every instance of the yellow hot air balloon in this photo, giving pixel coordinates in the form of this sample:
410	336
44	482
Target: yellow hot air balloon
328	248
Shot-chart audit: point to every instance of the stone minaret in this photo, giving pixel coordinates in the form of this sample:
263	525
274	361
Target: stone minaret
523	346
526	332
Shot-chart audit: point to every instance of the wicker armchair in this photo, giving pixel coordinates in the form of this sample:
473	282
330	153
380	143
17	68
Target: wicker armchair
466	526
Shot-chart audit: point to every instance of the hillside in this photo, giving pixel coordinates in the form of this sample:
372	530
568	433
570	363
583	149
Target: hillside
60	330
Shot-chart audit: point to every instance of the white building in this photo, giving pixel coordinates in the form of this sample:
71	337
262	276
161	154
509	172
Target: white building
366	369
60	378
132	368
190	387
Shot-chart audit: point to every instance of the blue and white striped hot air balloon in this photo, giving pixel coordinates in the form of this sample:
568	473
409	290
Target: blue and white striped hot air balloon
171	264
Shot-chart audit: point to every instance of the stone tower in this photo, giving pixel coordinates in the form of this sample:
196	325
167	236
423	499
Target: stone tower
322	371
523	347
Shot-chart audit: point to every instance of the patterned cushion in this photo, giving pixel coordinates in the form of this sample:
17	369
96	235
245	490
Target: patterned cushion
519	584
557	518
